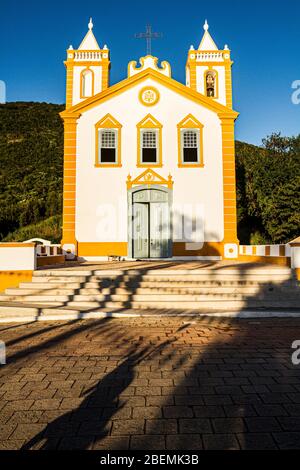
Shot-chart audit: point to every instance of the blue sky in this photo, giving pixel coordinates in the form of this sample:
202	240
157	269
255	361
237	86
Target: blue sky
264	37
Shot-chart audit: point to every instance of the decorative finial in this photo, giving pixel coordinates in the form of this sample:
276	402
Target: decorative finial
105	46
205	26
70	47
91	24
192	47
226	48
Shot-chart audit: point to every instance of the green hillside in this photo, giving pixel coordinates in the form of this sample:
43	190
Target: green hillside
31	150
31	170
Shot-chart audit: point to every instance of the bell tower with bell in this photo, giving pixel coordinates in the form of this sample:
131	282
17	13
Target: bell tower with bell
208	70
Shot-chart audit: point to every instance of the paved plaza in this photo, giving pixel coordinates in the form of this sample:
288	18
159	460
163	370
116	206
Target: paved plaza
150	383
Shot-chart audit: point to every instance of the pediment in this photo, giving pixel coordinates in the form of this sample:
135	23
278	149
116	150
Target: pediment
149	177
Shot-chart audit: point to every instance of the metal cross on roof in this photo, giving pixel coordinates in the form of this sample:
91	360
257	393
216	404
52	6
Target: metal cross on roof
148	35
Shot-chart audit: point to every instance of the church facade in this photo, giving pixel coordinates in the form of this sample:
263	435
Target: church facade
149	164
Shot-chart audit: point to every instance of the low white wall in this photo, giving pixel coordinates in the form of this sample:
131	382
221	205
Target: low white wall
17	256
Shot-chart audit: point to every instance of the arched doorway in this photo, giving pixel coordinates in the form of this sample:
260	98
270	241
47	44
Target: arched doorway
149	224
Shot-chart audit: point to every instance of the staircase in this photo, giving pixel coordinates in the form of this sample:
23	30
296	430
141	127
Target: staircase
78	293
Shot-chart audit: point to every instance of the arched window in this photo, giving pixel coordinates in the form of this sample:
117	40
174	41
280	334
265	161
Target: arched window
87	83
211	83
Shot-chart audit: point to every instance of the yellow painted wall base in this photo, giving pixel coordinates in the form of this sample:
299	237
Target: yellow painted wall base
207	249
120	249
279	260
297	271
13	278
102	248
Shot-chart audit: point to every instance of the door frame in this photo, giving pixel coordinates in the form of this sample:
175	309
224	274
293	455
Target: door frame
130	193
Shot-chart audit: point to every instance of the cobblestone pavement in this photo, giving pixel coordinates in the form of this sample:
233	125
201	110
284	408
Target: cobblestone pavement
150	384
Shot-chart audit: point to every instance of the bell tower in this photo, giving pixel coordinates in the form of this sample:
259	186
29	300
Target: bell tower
87	69
208	70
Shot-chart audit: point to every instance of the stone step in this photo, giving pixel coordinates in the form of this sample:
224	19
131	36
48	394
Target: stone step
198	282
151	297
35	298
61	273
155	285
39	291
283	273
208	303
221	305
31	312
58	279
209	278
158	279
34	289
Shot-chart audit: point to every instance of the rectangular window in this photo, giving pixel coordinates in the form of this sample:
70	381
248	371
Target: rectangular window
149	146
190	146
108	140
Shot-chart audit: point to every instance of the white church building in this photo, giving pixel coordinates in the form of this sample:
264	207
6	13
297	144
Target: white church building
149	164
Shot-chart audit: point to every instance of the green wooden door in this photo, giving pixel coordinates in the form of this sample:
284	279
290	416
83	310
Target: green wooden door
151	224
140	230
159	230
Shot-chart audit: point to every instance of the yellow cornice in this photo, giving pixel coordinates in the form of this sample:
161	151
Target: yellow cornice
167	81
227	116
67	116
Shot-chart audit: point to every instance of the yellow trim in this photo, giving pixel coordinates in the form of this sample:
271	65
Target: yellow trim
150	73
149	88
229	186
190	122
108	122
207	249
149	177
87	63
69	83
211	69
204	63
102	249
149	122
82	96
69	190
279	260
105	74
228	84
